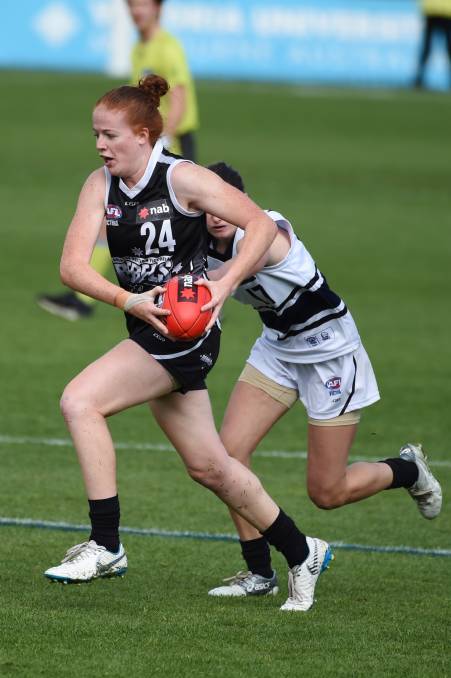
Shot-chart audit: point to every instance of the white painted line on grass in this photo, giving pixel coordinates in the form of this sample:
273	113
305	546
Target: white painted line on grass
165	447
207	536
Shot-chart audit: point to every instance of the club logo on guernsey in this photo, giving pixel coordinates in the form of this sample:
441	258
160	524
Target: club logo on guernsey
153	211
333	385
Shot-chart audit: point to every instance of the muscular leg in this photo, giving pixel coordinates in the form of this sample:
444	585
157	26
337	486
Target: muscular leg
123	377
330	481
188	422
250	414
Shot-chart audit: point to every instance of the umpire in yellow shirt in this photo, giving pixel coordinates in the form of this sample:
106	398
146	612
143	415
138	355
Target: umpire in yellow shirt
157	51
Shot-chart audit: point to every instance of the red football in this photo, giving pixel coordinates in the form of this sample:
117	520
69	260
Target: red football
185	299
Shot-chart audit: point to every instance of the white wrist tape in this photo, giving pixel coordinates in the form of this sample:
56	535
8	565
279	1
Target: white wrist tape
137	299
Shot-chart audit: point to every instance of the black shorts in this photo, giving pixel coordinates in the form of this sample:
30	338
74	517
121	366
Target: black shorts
189	362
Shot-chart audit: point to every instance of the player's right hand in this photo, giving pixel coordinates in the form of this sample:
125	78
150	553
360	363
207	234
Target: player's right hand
144	307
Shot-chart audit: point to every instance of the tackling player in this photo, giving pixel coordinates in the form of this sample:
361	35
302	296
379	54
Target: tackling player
309	350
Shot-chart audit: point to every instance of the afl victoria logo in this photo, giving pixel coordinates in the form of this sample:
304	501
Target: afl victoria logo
113	212
333	384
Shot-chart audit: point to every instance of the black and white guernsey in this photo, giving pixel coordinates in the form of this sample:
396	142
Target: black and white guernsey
304	321
151	237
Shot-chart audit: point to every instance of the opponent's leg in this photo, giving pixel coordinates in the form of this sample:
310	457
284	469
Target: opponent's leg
250	414
332	483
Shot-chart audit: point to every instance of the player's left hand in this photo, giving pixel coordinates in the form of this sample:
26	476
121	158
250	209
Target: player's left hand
219	290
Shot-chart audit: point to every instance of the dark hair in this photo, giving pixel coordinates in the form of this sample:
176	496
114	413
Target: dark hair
140	103
228	174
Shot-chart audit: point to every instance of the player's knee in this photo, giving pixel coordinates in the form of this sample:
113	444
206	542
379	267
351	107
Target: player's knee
73	403
209	475
235	448
326	498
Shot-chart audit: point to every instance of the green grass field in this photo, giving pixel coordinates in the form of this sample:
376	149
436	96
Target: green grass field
366	179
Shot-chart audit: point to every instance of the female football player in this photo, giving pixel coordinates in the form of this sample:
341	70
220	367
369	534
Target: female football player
309	350
153	204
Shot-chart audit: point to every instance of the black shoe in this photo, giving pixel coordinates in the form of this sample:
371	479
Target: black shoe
67	306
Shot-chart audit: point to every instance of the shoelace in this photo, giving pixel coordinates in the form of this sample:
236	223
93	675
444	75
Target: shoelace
425	499
81	551
237	578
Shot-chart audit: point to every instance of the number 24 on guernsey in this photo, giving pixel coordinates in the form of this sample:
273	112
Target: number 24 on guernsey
165	239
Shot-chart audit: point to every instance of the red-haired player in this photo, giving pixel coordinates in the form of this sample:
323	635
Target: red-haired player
154	205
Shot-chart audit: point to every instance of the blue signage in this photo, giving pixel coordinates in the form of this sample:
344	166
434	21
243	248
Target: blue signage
371	42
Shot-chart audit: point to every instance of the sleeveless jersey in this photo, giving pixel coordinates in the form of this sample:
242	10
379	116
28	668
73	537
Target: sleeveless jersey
151	237
304	321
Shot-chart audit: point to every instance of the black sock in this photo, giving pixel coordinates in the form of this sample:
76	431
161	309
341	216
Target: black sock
285	536
105	514
405	473
257	555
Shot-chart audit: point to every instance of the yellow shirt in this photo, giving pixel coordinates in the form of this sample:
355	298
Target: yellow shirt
164	55
436	7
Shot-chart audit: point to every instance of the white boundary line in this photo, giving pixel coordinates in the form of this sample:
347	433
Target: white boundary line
207	536
164	447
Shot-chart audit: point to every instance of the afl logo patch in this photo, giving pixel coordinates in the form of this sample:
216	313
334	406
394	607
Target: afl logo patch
113	212
333	385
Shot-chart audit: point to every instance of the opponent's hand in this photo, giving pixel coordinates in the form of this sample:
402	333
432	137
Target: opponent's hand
219	290
144	307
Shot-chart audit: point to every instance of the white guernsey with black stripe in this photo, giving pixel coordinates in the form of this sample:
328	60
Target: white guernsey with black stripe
304	320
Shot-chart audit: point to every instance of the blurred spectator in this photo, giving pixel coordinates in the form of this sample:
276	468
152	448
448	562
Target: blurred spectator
157	51
437	20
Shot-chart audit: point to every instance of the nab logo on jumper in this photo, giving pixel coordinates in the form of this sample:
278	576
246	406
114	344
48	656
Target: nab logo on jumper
153	211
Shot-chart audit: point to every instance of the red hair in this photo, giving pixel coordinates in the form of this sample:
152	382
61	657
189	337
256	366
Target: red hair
140	104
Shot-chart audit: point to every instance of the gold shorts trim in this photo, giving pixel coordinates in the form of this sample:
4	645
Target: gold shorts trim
283	394
346	419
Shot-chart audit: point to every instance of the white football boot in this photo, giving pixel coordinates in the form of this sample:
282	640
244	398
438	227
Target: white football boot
302	578
426	491
247	584
87	561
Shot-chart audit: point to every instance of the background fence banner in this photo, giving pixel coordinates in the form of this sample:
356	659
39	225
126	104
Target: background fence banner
371	42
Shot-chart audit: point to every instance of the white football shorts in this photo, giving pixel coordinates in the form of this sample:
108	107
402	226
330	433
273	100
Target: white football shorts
327	389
